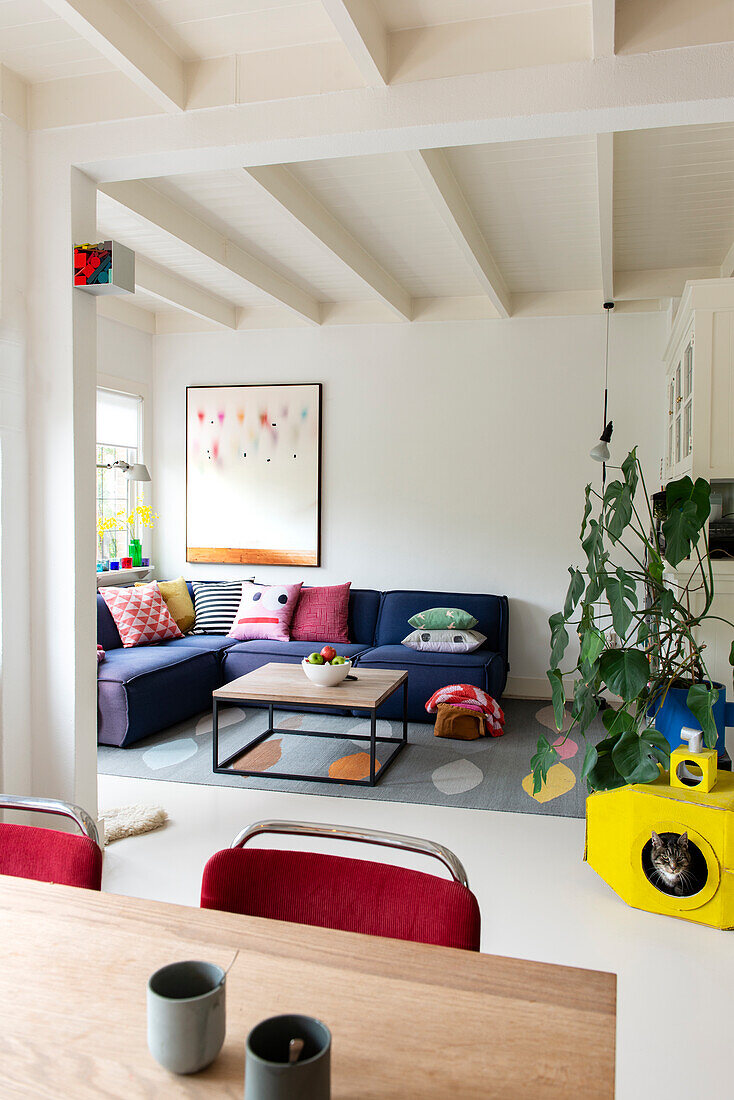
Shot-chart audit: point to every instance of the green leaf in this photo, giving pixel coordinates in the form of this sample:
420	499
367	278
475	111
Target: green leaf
617	720
603	774
587	510
629	469
618	509
643	632
700	701
593	546
622	596
592	644
731	654
574	593
655	566
541	761
585	707
558	696
658	743
688	506
632	759
590	758
559	638
625	672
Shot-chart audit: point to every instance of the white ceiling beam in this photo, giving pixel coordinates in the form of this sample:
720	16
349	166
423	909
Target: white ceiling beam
122	36
173	220
602	27
305	210
163	284
605	205
659	283
362	31
440	184
125	312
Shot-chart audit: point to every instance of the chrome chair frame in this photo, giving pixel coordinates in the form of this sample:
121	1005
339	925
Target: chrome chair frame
53	806
364	836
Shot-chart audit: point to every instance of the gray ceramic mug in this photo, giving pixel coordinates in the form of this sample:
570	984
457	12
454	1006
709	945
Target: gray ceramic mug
186	1015
268	1074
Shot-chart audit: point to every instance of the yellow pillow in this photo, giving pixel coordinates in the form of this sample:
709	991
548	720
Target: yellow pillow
178	601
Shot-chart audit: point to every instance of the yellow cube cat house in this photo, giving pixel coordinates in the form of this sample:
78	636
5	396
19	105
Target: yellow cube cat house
619	827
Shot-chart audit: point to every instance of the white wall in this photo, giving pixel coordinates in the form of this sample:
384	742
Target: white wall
454	455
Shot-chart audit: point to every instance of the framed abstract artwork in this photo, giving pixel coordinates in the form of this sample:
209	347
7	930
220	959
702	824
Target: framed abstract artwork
253	474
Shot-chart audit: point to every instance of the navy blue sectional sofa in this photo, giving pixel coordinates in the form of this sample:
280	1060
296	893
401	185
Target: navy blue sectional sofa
147	688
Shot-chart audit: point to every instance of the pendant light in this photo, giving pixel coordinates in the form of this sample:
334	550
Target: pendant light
600	453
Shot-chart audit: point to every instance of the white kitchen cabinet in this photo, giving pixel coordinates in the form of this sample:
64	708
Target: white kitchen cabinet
700	383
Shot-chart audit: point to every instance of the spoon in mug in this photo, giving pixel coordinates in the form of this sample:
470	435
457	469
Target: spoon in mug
295	1049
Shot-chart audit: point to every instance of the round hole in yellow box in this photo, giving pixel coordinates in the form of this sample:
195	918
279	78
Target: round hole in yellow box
658	900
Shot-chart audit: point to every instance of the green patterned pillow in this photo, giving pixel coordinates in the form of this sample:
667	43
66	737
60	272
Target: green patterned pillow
443	618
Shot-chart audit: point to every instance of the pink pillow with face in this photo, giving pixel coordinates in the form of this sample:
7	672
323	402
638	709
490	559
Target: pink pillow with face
265	611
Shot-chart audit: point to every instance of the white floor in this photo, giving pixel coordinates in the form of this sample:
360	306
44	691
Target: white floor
538	901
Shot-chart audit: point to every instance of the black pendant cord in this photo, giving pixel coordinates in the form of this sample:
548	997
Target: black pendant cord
608	307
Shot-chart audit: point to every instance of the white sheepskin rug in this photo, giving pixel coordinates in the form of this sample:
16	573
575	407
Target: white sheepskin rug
132	821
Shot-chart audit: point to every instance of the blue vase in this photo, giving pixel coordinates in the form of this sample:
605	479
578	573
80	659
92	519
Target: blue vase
674	715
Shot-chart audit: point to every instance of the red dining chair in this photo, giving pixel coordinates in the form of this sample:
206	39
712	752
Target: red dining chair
46	854
354	895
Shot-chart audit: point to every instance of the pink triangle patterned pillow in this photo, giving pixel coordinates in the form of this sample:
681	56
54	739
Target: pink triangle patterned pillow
141	615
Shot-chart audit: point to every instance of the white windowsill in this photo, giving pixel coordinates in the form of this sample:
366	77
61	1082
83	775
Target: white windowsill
123	576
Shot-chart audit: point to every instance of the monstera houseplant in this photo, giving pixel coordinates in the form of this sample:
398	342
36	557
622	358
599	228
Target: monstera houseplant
636	627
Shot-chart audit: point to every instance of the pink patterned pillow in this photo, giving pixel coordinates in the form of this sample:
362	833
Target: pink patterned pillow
265	611
140	614
321	615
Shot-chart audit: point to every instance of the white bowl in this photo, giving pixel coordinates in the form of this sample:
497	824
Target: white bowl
326	676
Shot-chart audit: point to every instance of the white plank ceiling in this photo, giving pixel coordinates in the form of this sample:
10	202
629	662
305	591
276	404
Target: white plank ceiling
535	204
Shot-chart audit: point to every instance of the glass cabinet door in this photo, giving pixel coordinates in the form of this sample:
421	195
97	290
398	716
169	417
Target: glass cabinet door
687	402
671	414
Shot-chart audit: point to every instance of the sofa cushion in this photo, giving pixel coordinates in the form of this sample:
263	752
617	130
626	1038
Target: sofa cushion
108	636
398	607
144	690
216	604
213	643
124	665
300	650
429	671
178	601
364	606
265	611
322	615
141	615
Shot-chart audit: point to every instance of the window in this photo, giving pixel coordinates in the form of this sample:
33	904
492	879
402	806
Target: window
119	417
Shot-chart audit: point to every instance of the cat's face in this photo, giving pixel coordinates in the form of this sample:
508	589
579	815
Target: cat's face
670	857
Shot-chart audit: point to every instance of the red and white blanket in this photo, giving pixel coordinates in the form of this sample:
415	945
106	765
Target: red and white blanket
470	698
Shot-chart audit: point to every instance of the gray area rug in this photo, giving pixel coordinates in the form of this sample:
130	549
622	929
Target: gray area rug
489	774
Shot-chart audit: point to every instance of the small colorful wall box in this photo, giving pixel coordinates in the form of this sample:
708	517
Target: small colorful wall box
104	268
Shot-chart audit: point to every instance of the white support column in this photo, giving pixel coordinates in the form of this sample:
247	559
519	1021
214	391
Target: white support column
61	416
15	656
602	27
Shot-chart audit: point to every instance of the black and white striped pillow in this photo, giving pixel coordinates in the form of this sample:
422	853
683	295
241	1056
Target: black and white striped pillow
215	603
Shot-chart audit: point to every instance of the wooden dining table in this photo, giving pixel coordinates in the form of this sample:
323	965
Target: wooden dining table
407	1020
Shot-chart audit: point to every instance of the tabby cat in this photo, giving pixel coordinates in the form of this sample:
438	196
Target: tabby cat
671	860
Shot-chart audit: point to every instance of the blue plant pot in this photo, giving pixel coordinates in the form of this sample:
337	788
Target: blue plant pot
674	715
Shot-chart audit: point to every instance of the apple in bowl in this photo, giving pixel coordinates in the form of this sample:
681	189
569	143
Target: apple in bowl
325	673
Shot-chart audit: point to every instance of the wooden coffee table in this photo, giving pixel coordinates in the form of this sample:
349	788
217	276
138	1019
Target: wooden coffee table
283	686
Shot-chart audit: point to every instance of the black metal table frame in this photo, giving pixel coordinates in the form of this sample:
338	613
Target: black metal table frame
224	767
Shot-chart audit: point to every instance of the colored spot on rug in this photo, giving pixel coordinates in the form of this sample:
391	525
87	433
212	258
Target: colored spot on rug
293	723
355	766
560	780
546	718
261	757
565	747
457	777
229	717
170	753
